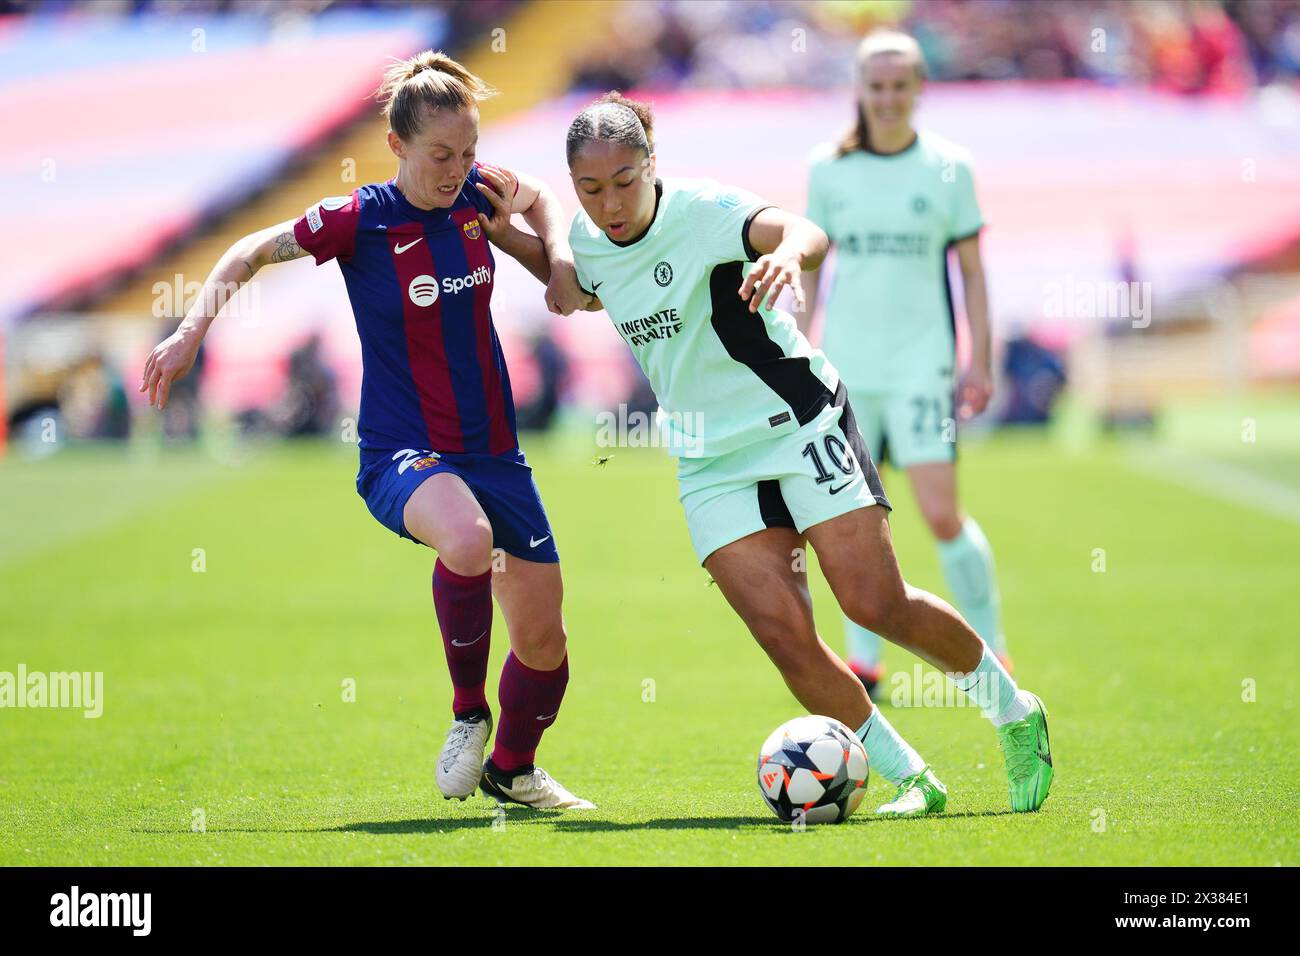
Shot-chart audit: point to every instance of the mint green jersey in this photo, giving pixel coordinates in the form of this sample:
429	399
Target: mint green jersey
889	320
725	378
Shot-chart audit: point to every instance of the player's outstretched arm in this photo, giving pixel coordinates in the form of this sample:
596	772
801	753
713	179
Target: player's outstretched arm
174	356
498	187
546	254
788	244
542	211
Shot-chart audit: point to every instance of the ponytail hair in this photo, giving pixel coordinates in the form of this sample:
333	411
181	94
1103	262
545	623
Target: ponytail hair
613	119
876	43
857	137
427	81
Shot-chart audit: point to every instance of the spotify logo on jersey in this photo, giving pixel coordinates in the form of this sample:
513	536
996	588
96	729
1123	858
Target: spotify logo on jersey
423	290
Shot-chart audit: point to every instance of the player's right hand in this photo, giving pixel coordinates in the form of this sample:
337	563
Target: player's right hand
170	360
498	188
975	391
769	275
564	295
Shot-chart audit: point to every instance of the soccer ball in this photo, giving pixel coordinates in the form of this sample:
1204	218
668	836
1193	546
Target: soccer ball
815	767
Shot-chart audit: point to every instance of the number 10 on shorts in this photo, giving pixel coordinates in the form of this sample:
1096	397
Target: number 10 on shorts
836	451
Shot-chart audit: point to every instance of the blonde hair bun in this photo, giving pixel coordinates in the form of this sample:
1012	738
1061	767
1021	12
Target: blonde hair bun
427	81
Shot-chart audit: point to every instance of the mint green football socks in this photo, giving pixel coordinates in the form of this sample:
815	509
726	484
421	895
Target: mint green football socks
967	562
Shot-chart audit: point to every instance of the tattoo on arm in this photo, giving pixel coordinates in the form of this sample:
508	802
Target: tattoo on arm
286	248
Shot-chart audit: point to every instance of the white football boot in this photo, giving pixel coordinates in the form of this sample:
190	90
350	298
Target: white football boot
535	788
461	762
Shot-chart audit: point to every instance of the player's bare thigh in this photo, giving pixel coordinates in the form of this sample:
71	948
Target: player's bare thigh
530	594
764	579
444	514
934	483
763	576
855	552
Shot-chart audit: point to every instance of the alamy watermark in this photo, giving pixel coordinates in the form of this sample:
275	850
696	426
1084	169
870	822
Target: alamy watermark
236	301
1082	299
75	908
930	688
73	690
681	432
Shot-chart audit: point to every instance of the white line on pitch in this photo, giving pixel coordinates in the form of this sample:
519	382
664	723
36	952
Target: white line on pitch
1218	479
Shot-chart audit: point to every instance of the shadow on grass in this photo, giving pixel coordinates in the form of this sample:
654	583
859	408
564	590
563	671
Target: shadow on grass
381	827
578	824
557	821
442	825
562	822
948	816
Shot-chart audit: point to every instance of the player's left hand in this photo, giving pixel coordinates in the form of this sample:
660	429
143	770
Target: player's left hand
500	192
975	392
563	294
771	274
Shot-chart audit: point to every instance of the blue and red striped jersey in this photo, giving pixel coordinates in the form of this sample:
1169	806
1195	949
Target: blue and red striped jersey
420	283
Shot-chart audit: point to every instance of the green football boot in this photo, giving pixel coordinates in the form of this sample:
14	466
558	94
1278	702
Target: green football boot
1028	756
918	796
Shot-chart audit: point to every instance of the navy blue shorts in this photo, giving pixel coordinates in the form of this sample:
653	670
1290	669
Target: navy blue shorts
503	485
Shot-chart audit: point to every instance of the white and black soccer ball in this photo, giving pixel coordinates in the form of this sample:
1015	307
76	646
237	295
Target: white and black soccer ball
815	767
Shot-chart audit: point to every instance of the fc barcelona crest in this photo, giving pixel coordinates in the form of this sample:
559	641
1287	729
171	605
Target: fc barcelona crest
473	229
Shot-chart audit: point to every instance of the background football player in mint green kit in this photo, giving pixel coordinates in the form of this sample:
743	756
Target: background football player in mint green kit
770	460
893	201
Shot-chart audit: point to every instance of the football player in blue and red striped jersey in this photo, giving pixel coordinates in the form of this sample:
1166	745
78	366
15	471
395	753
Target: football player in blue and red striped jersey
440	459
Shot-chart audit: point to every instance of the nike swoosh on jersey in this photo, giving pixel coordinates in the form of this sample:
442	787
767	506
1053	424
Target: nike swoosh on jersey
533	544
399	248
456	643
836	491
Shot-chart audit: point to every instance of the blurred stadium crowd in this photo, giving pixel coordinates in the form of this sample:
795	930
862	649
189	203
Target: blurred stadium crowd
1188	47
467	19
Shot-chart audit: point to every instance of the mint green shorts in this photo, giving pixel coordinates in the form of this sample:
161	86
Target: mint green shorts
911	425
819	472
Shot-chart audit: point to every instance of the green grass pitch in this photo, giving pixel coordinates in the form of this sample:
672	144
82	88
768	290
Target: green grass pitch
224	689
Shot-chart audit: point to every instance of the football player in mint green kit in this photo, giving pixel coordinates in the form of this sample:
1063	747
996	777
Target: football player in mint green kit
770	459
893	201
